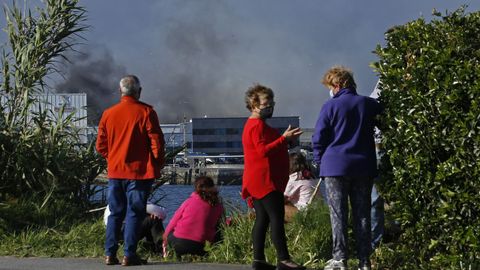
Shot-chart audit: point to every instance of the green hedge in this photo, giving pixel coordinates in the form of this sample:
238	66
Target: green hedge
430	81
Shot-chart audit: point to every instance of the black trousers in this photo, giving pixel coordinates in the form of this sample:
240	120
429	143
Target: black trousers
269	211
185	246
152	230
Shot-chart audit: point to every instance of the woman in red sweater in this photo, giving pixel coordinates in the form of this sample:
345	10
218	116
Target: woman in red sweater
265	176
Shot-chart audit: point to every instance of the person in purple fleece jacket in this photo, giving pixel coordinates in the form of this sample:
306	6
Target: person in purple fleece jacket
344	148
196	220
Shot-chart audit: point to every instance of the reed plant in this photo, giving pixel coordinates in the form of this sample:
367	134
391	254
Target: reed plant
46	174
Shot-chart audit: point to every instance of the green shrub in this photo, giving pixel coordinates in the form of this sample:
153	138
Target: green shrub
430	81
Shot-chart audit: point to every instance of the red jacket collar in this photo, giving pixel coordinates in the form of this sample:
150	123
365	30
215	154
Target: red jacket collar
128	99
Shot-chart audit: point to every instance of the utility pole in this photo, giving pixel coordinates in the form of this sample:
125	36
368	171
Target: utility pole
185	150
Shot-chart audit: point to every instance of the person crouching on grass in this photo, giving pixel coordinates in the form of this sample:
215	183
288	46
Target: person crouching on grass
196	220
301	186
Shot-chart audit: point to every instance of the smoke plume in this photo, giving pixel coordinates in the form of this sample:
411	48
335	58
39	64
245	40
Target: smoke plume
193	80
94	73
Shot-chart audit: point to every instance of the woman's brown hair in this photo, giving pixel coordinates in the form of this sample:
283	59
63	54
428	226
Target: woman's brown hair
298	162
252	96
205	188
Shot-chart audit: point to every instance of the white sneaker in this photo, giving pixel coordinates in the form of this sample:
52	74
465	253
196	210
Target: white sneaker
364	268
336	265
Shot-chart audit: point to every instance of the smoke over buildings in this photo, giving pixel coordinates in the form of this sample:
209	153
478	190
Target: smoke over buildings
197	58
193	79
191	55
93	72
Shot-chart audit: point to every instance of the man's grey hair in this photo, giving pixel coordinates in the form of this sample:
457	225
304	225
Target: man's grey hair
130	85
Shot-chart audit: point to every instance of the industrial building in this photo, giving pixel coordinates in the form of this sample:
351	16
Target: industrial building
223	135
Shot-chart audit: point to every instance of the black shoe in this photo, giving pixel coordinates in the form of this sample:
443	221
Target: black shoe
261	265
283	266
133	260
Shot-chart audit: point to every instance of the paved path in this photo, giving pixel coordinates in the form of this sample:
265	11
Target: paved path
37	263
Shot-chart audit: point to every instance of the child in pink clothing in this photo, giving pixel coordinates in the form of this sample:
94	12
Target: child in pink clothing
196	220
301	184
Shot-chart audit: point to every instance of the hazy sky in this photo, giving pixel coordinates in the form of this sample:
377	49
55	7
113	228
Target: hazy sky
198	57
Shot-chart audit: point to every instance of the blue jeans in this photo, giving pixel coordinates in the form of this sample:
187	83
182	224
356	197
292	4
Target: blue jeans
378	218
339	191
127	200
377	214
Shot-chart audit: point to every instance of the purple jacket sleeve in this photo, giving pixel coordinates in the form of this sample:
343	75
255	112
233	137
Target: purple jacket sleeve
321	137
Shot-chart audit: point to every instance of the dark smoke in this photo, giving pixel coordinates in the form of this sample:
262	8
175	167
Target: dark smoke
94	73
193	80
192	51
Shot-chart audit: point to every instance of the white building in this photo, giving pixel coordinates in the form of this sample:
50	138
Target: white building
64	105
59	107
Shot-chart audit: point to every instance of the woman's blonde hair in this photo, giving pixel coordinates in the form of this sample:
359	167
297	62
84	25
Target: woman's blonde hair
339	76
252	96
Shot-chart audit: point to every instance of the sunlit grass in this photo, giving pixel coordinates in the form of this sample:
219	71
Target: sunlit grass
82	240
308	238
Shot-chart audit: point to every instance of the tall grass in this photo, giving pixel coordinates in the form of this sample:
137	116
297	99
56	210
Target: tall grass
308	238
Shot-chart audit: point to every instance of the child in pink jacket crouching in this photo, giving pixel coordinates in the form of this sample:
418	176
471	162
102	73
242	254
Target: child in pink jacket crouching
196	220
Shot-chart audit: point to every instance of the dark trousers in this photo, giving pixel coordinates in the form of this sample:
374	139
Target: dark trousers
185	246
152	230
269	211
339	190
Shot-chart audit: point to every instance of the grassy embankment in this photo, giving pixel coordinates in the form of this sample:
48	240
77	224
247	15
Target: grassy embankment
309	240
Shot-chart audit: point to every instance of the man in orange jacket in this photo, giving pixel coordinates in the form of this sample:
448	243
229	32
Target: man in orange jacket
130	139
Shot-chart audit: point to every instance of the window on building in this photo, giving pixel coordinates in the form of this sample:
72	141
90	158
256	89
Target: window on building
204	131
233	131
